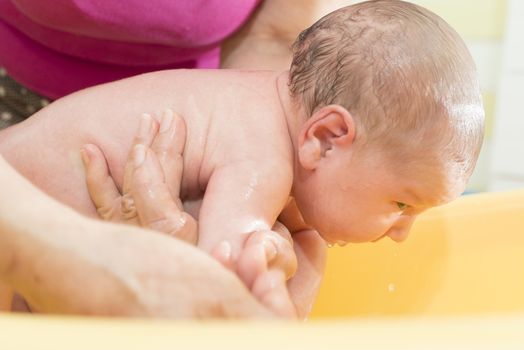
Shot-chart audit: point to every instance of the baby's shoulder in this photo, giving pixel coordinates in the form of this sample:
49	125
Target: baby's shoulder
249	117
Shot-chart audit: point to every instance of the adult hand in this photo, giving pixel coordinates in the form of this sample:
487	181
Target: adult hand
151	187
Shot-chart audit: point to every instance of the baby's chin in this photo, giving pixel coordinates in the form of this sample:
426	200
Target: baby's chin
341	238
332	241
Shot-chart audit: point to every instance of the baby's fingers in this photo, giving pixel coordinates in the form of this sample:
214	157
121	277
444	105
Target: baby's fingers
285	259
279	251
100	184
253	261
265	250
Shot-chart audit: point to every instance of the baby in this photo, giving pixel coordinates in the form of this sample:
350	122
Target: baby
378	119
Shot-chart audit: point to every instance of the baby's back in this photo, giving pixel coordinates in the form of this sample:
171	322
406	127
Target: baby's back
223	111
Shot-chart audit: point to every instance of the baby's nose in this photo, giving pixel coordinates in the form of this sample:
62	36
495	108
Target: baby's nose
399	232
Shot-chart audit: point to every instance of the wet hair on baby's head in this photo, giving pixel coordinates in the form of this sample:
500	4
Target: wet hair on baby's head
402	72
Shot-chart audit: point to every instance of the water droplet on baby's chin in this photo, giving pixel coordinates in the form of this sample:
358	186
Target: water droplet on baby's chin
341	243
329	245
391	287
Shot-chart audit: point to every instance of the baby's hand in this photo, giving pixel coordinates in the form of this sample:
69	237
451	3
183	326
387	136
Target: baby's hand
265	262
265	250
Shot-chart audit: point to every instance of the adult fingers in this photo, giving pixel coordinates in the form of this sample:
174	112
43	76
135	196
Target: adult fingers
100	184
177	224
168	146
147	130
270	289
154	204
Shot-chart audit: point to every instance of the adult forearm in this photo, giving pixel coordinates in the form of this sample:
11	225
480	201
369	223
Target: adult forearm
119	270
254	52
265	41
37	248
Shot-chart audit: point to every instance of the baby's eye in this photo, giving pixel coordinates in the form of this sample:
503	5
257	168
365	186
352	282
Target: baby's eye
402	206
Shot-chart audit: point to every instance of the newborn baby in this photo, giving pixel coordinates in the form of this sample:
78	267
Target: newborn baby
378	119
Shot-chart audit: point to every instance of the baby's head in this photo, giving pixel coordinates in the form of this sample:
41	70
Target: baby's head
394	119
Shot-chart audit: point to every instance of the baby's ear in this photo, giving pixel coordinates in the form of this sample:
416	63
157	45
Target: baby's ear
328	128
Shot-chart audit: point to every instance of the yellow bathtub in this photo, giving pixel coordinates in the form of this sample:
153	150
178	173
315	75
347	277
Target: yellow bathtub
457	283
463	258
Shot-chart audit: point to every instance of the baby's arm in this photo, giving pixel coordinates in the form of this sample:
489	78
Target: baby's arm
240	206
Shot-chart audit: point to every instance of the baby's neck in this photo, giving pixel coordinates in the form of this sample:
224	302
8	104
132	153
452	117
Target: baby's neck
295	119
294	114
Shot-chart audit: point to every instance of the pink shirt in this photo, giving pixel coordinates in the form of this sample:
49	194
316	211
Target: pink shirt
60	46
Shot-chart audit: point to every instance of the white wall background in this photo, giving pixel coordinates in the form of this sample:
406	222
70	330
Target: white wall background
507	156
